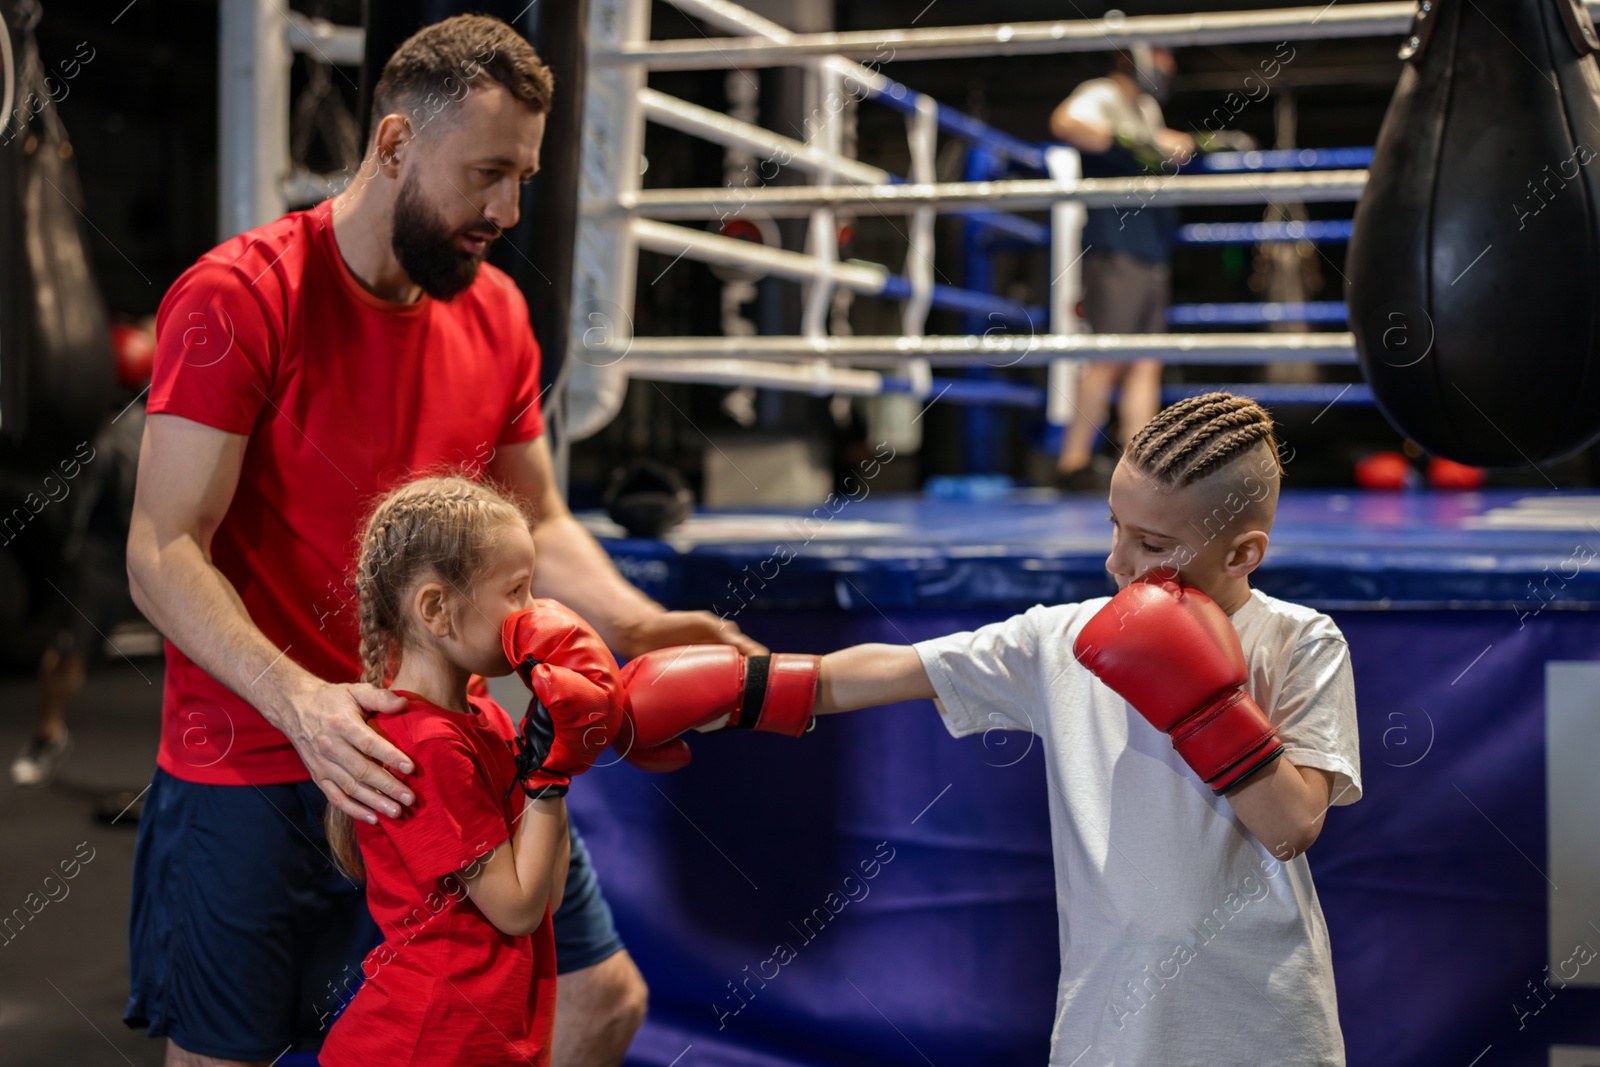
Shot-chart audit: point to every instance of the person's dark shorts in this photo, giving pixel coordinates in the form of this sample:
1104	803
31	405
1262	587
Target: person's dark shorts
585	932
1125	294
244	941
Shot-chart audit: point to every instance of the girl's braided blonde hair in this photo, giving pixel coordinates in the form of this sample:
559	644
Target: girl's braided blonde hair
443	527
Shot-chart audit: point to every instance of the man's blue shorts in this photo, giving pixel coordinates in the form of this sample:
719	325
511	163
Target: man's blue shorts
244	940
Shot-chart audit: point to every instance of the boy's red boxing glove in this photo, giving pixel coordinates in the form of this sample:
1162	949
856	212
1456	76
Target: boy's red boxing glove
576	710
691	687
1171	652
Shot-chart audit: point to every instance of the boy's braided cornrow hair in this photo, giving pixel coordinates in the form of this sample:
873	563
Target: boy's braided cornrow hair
1200	435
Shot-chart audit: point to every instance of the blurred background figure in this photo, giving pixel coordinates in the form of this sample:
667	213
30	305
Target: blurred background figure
92	575
1116	122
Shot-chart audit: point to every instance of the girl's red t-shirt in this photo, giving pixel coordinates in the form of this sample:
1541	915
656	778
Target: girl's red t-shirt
446	986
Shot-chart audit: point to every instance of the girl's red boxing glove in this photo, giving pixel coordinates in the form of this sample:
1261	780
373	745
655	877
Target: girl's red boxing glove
576	709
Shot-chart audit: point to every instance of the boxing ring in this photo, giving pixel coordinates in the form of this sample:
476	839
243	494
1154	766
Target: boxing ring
1462	895
618	218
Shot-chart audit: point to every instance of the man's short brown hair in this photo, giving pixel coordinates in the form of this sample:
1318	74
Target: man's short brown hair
435	65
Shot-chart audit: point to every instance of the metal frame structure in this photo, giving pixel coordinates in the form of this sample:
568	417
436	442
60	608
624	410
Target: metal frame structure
1017	38
258	42
617	217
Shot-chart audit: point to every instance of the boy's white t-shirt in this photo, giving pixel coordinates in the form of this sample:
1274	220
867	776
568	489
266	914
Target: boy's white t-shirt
1183	941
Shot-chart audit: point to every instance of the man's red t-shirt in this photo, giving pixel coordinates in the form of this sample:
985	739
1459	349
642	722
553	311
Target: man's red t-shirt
446	986
342	396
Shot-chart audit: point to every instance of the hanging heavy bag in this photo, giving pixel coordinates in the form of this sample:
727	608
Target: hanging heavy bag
69	380
1475	257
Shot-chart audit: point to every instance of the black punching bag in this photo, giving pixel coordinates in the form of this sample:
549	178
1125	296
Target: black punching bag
1474	267
60	374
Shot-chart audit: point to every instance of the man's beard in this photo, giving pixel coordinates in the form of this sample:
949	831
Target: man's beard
426	250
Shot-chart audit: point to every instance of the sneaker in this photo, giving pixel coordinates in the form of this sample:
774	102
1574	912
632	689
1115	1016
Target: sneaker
38	761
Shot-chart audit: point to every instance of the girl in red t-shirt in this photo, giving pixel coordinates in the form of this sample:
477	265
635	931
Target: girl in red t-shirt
463	884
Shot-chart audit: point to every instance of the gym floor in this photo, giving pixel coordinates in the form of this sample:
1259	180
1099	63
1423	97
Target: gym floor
64	973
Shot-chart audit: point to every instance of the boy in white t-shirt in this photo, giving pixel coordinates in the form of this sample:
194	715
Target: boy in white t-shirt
1190	932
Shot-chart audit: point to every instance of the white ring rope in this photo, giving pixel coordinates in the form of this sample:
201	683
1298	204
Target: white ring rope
1024	38
1023	194
997	350
619	217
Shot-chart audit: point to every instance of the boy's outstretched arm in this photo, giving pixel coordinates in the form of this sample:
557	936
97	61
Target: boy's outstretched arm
866	676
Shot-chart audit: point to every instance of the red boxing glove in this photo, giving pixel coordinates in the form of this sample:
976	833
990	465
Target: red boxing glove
1169	651
691	687
576	710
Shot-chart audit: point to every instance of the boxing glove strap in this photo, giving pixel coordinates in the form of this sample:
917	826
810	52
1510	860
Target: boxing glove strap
791	694
1223	736
530	774
1246	767
546	791
779	694
755	693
